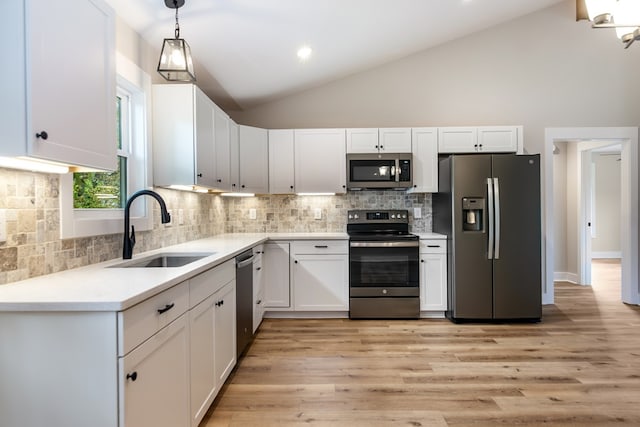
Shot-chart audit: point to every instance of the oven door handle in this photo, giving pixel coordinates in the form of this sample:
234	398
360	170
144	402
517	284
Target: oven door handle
409	244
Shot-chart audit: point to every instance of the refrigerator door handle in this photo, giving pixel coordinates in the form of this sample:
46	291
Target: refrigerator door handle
496	192
490	218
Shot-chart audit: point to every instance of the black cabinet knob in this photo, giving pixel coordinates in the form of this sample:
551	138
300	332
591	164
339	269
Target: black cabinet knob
242	186
132	376
199	175
219	180
42	135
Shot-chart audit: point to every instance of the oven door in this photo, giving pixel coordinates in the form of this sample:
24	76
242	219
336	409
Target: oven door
389	265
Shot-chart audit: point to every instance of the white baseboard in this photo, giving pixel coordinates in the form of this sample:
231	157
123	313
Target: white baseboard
611	254
563	276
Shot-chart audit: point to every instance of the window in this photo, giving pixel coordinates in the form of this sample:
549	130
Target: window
108	190
92	203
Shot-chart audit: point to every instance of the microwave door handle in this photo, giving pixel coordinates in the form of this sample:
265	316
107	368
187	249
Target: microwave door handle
393	172
397	167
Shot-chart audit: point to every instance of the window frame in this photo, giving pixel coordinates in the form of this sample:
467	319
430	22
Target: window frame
136	84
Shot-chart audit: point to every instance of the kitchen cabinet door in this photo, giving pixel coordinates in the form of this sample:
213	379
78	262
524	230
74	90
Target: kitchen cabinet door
433	275
457	140
222	152
362	140
203	380
58	82
321	282
281	162
275	265
320	161
498	139
183	136
225	332
154	379
425	160
254	160
395	140
234	155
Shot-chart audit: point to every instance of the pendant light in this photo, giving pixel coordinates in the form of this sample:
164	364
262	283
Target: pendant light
175	57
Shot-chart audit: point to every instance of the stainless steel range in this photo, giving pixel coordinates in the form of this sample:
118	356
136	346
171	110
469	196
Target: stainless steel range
383	265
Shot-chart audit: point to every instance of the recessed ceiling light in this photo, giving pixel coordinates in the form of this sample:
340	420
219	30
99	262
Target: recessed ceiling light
304	53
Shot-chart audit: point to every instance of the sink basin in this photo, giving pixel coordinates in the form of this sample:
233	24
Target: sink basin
163	260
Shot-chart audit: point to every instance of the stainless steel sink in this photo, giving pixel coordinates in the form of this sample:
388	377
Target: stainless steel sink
164	260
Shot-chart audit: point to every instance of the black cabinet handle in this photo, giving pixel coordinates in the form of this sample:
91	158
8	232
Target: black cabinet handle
219	180
132	376
421	260
259	268
242	186
44	135
259	302
381	147
199	175
219	303
291	187
321	246
166	308
433	246
296	261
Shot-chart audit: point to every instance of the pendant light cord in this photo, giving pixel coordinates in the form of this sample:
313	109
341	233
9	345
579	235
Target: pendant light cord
177	31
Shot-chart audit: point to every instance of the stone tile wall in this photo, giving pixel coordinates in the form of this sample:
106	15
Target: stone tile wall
282	213
33	247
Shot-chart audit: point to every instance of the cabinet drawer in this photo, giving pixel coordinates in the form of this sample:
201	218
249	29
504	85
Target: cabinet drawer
139	322
312	247
433	246
205	284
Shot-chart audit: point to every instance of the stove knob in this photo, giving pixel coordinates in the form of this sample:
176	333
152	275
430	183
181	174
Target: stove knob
404	216
356	216
393	216
350	216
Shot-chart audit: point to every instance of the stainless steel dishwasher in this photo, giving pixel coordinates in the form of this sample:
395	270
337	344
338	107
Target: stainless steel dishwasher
244	300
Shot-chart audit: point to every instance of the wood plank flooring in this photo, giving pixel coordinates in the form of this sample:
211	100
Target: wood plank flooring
579	367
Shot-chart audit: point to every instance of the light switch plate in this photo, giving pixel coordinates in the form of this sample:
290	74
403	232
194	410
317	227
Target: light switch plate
417	213
317	213
252	214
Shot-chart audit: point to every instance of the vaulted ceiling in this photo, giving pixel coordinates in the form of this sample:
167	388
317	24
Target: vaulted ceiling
249	47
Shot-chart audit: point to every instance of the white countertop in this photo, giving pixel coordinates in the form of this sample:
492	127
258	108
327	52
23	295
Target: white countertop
98	288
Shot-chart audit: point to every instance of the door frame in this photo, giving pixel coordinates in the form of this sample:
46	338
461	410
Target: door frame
628	138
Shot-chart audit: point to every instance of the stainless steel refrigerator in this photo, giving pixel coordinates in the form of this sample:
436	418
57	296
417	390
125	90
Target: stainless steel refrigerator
489	207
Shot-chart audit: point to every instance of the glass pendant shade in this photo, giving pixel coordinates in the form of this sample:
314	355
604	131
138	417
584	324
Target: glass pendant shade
175	61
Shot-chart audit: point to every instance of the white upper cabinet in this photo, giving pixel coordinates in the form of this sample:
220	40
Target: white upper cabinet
374	140
58	82
395	140
496	139
254	160
320	161
484	139
281	161
362	140
425	160
183	136
222	144
234	152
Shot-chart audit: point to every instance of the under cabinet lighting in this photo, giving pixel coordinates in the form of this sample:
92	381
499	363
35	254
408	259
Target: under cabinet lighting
32	165
238	194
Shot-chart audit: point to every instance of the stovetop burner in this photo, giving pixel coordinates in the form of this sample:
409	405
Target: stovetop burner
379	225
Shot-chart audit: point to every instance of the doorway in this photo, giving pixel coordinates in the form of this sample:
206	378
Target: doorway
591	138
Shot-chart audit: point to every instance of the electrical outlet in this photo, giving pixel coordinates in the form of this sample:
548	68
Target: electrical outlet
3	225
252	214
317	213
180	216
417	213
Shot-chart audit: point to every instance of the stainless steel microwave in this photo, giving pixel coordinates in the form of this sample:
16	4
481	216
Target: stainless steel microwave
379	171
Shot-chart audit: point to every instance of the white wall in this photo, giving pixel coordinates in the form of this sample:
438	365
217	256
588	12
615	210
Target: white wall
542	70
560	211
606	243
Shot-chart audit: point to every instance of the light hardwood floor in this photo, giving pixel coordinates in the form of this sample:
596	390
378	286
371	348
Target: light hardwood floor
579	366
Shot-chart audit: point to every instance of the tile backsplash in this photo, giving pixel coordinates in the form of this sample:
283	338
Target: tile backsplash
33	247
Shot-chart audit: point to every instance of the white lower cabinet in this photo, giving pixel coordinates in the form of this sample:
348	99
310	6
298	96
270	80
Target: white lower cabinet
320	275
258	287
275	266
211	336
433	275
155	379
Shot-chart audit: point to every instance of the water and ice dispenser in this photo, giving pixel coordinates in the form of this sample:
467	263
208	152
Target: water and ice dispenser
473	211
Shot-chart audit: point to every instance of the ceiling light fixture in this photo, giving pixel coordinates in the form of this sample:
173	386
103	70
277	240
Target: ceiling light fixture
304	53
623	15
175	57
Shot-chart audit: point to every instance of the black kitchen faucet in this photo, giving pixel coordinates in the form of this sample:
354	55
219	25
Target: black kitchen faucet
130	241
